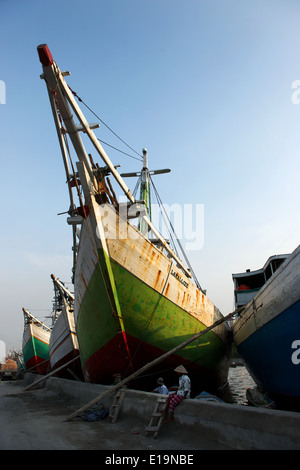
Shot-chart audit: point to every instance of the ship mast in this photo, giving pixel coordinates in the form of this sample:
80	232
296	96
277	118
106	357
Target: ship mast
61	295
65	103
145	189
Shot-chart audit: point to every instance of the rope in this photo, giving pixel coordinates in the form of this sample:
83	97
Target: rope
164	214
106	125
136	186
121	151
177	240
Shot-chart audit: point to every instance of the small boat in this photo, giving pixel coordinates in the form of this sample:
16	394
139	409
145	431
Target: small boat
266	333
63	345
208	397
35	345
135	299
247	284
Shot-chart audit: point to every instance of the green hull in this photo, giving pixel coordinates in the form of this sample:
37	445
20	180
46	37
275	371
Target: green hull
152	325
36	355
134	297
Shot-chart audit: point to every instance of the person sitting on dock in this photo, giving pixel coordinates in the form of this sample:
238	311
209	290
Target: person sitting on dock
161	388
181	392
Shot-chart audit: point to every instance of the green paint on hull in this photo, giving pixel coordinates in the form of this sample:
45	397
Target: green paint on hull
96	324
147	316
154	319
35	347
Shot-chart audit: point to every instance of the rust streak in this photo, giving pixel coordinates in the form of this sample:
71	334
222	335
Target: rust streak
167	289
157	279
183	299
84	281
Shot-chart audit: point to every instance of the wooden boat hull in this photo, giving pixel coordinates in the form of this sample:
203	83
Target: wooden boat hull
36	349
266	335
63	345
132	301
131	306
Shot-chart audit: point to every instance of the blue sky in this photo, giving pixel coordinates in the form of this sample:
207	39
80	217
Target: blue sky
206	86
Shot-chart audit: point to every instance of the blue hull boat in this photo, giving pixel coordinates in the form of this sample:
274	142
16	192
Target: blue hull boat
267	332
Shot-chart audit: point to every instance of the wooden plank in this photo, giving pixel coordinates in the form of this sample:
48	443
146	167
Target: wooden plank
157	416
152	428
45	377
117	403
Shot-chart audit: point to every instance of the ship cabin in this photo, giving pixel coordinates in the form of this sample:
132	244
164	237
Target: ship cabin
247	284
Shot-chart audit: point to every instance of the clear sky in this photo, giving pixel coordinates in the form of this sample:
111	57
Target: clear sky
205	85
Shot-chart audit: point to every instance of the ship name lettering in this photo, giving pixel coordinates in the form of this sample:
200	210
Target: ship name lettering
179	278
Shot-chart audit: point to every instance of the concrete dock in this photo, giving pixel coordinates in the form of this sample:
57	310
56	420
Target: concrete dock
37	419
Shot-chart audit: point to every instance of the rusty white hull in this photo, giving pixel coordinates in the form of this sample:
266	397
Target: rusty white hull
63	344
120	273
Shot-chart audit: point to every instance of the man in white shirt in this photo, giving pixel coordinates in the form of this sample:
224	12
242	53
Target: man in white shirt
181	392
